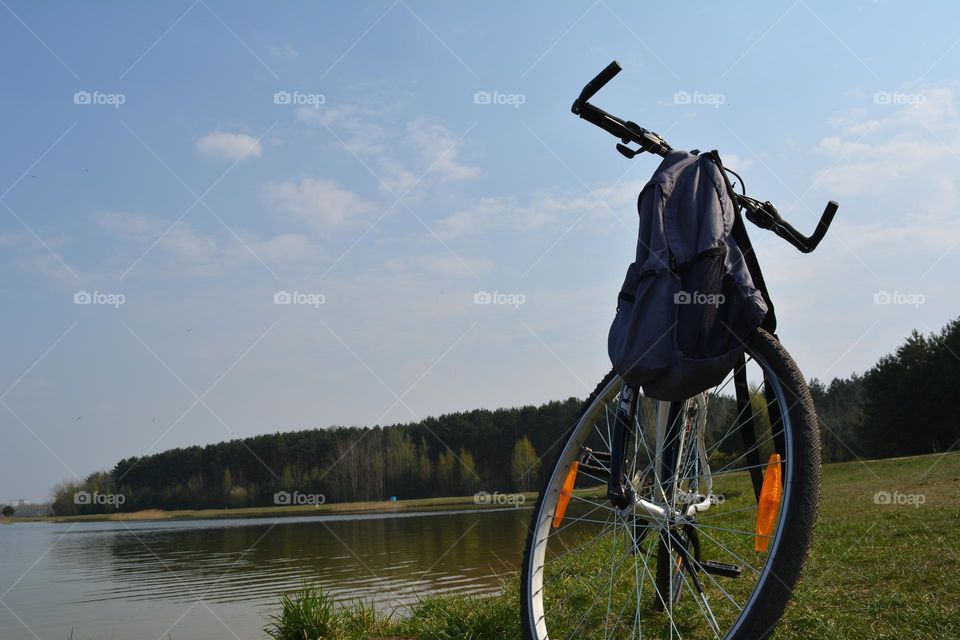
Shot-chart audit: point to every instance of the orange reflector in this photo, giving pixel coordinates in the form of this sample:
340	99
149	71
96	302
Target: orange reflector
565	492
771	495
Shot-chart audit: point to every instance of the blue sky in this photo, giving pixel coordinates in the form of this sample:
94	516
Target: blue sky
146	161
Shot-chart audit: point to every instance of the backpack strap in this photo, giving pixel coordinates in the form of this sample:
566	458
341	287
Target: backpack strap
740	236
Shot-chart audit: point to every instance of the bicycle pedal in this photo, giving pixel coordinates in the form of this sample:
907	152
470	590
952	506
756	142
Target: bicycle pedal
721	569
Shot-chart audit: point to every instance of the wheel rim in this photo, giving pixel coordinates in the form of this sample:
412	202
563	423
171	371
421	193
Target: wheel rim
565	595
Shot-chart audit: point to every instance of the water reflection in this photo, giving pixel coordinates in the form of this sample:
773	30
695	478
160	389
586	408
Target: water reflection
131	580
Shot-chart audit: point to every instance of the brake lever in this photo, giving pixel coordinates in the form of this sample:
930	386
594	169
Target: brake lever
648	141
766	216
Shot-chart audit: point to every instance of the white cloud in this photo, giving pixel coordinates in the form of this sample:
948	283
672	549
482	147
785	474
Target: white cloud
319	202
449	266
328	115
909	148
545	210
286	247
183	247
130	226
399	153
439	147
229	146
894	169
735	162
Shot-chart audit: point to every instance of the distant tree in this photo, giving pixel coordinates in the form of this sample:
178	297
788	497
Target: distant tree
446	473
469	477
288	479
8	511
424	470
840	413
399	461
227	483
524	465
64	501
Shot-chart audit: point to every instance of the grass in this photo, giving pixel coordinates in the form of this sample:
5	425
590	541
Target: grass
311	614
386	506
884	571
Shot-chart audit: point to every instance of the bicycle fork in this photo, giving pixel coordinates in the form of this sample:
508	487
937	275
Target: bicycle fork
619	491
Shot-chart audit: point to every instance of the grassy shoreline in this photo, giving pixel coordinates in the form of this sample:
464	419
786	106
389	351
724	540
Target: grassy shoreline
877	569
385	506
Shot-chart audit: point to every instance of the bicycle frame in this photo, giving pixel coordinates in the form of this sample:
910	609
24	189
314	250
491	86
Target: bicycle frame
668	447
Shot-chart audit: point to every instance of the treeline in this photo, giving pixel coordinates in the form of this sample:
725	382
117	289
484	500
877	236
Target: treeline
453	454
901	406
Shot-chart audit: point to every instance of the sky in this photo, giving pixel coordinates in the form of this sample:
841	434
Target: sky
222	219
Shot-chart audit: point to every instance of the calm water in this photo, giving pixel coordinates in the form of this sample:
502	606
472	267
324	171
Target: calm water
218	579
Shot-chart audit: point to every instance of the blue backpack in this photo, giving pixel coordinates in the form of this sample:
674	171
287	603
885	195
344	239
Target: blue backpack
688	305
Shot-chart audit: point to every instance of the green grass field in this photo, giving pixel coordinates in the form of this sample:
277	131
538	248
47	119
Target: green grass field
879	568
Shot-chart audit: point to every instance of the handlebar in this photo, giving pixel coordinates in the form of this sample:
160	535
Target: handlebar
602	78
766	216
762	214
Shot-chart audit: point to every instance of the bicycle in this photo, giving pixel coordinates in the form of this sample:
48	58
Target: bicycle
683	519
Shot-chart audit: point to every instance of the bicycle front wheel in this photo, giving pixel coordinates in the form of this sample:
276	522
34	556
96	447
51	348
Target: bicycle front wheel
716	539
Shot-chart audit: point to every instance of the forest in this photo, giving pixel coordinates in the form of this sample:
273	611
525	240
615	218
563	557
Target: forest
897	408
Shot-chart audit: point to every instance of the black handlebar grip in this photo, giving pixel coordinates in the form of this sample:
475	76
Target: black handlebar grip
828	213
825	220
808	245
596	84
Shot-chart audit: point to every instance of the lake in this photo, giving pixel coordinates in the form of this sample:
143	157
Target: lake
216	579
